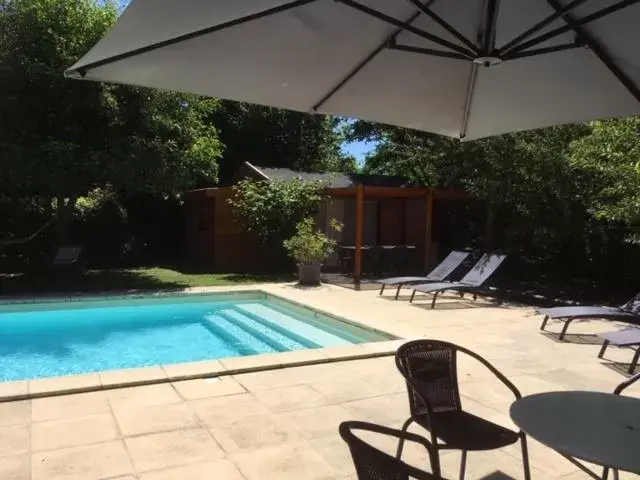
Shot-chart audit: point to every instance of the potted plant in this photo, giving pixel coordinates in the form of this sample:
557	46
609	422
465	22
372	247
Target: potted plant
309	247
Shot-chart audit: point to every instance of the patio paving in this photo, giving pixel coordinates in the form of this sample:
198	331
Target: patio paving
282	424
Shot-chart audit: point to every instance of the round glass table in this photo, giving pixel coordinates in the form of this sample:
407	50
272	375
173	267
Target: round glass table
600	428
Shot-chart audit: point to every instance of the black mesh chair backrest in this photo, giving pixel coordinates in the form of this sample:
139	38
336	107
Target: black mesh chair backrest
430	369
373	464
483	269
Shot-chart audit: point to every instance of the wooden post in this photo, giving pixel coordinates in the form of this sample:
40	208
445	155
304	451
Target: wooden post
428	228
357	260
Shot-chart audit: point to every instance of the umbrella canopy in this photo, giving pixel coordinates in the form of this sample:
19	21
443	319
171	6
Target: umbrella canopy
461	68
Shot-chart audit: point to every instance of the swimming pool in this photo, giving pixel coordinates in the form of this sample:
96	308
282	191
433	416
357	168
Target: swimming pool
63	338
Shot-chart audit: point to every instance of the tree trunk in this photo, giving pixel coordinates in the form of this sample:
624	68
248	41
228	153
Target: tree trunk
64	208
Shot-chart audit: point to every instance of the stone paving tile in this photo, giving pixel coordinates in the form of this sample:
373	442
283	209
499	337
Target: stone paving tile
62	406
335	452
316	422
390	410
208	387
284	462
145	396
12	413
103	460
12	389
115	378
169	449
70	383
254	432
16	467
218	470
210	367
295	397
221	410
71	432
14	439
345	390
159	418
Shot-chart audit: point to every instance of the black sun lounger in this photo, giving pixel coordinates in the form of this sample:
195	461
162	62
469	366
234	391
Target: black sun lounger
629	312
438	274
471	282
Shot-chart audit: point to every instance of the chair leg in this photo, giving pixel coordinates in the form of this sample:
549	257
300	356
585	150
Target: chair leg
544	322
398	291
605	344
525	457
616	475
634	361
382	289
433	302
605	473
413	294
405	426
564	327
463	464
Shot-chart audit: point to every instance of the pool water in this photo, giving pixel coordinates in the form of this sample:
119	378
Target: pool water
63	338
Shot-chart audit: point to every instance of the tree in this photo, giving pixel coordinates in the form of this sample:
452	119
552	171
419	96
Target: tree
279	138
272	209
610	156
65	138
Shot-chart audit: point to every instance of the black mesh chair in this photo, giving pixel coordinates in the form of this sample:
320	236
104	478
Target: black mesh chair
618	390
373	464
430	369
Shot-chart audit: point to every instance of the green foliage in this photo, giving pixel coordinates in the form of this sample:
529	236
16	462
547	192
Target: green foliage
564	197
610	157
279	138
66	138
271	209
309	245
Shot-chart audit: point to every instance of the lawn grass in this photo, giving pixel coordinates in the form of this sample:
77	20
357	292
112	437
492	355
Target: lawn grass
123	279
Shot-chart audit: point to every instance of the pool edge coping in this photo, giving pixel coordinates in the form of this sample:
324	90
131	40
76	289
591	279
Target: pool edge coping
92	382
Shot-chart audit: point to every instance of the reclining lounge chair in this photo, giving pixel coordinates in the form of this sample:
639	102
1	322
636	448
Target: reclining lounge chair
629	312
438	274
472	282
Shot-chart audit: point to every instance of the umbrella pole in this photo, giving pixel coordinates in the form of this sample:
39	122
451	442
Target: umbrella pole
357	264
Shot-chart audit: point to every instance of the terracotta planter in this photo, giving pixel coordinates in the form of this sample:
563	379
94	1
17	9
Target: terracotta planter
309	274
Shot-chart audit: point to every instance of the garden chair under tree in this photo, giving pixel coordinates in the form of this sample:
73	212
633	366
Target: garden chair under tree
373	464
430	370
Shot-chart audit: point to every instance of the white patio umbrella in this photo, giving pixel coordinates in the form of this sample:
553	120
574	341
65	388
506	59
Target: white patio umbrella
462	68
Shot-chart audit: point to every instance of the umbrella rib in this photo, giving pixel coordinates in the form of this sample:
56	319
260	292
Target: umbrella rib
404	26
545	50
577	22
540	25
389	40
491	25
444	24
599	51
429	51
191	35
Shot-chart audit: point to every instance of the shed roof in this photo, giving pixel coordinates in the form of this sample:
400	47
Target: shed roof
334	179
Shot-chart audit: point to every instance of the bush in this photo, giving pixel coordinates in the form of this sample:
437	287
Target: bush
272	209
309	245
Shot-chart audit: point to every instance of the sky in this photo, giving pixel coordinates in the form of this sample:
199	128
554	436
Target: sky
358	149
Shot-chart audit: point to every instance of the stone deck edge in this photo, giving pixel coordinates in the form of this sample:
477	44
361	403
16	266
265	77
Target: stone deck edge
65	385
